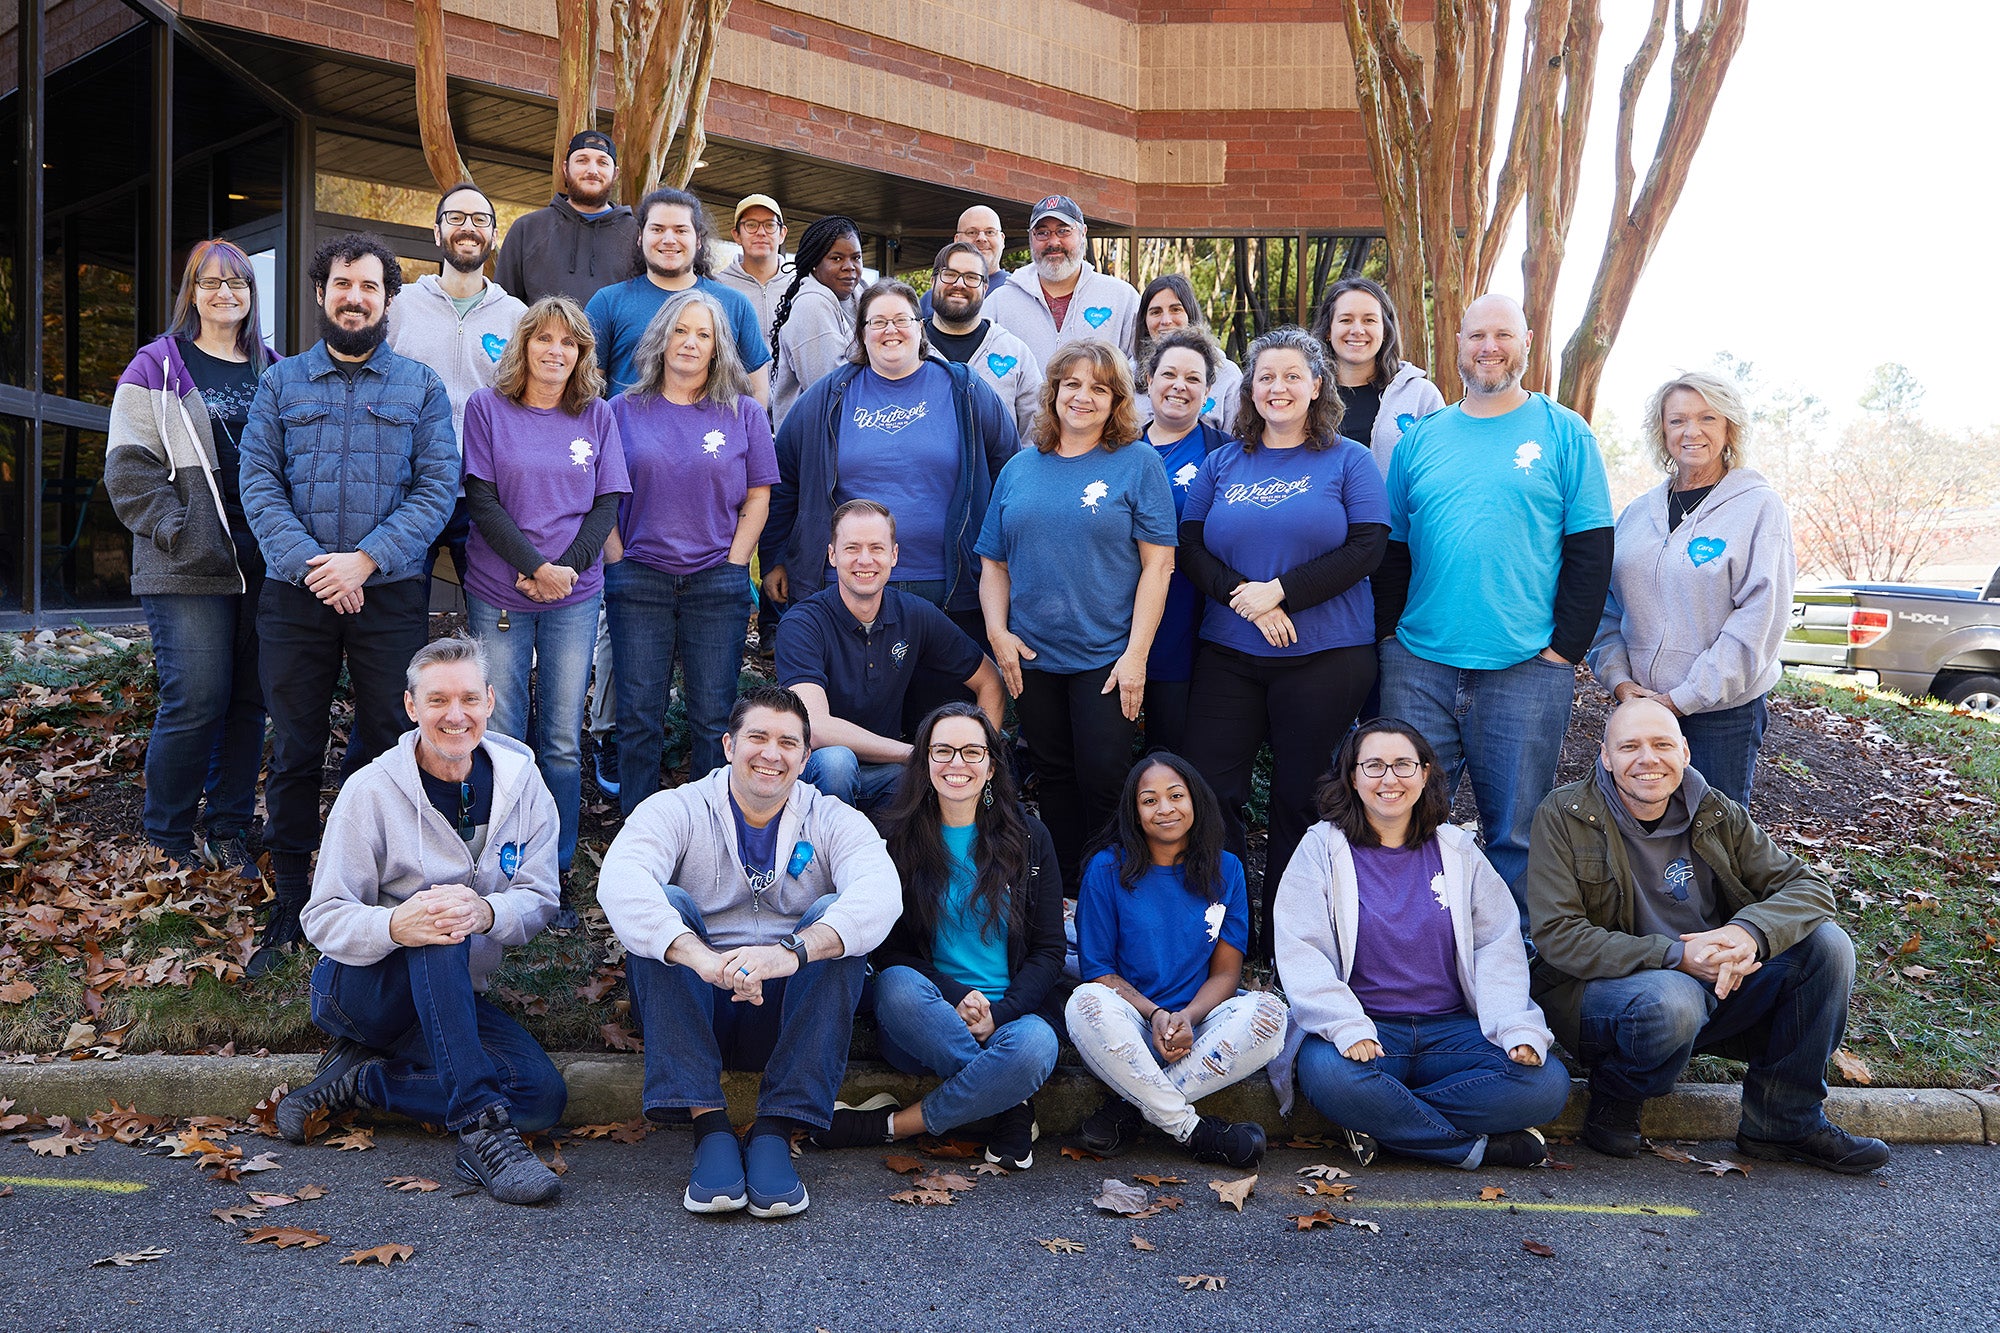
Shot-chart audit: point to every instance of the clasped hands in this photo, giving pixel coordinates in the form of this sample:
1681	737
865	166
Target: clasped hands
1173	1033
1369	1049
335	577
742	971
1262	604
977	1011
1721	957
550	583
441	914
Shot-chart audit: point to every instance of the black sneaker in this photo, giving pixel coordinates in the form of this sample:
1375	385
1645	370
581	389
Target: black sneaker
491	1153
1363	1146
1523	1147
1829	1147
335	1088
282	934
565	917
605	767
863	1126
1112	1128
233	854
1612	1126
1012	1141
1239	1144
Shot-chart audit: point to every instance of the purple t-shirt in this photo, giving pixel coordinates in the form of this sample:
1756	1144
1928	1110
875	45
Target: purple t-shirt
549	468
691	466
1405	954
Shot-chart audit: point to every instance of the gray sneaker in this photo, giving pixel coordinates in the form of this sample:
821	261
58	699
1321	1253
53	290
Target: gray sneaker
491	1153
335	1088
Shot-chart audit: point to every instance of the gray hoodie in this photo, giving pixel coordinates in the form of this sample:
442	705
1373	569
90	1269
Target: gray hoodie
1408	399
816	336
424	326
1101	306
763	296
1011	371
686	839
385	841
1699	612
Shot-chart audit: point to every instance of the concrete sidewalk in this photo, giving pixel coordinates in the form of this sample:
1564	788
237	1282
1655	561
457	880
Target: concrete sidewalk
606	1087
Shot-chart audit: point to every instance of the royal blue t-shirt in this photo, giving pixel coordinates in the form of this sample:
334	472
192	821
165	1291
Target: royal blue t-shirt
1273	510
1173	643
899	447
867	674
1157	934
757	847
1484	504
961	949
1405	950
1068	531
620	313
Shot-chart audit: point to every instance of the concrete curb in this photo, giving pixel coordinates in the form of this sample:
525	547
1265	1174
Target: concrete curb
606	1087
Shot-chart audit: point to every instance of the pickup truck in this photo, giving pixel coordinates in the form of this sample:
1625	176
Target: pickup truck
1943	642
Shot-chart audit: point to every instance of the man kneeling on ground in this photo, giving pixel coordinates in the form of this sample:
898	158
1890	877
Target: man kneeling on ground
747	902
1668	923
436	857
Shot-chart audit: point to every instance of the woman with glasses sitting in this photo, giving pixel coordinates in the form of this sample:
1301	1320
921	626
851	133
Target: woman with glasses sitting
1400	951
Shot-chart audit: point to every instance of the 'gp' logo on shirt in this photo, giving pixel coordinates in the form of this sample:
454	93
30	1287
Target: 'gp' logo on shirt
890	419
1268	492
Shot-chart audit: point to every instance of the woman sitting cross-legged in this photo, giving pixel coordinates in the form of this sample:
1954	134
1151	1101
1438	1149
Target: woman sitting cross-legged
965	975
1162	920
1400	950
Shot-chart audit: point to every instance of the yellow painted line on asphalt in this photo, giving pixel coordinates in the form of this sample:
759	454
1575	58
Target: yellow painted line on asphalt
58	1183
1504	1206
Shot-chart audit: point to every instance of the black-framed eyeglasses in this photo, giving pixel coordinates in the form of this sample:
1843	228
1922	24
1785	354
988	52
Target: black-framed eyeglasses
768	227
900	323
454	218
216	284
971	754
1402	768
951	277
466	828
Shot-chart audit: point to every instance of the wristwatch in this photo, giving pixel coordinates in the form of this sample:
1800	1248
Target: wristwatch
797	946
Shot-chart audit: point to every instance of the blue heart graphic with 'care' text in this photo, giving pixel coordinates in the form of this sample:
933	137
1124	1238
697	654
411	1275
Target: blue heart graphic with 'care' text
1704	549
494	345
1405	420
1097	315
1000	365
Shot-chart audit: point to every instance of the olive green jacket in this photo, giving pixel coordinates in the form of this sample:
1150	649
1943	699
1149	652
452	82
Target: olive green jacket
1579	890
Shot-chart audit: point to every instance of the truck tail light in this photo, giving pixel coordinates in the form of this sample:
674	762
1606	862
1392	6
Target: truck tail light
1865	626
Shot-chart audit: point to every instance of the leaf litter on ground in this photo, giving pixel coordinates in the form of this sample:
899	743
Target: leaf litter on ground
381	1254
151	1254
1115	1196
1233	1192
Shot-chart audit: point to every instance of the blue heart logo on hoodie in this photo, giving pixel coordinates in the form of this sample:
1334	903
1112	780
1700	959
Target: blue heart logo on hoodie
1000	365
1207	406
1704	549
1097	315
1405	420
494	345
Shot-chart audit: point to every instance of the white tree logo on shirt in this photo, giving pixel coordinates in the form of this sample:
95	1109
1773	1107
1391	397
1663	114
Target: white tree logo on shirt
1526	455
1094	492
711	444
579	452
1186	475
1214	916
1437	890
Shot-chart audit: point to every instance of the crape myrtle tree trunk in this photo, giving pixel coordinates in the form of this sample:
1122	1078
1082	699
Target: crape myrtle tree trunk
1433	131
576	77
433	104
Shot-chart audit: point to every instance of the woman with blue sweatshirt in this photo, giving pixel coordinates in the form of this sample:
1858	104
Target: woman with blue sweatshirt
1701	583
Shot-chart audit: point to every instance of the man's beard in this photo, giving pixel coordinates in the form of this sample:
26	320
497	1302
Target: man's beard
359	342
659	270
1057	266
458	261
1470	373
577	196
972	301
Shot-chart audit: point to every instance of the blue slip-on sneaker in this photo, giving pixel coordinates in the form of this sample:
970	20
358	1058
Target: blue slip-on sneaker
605	766
774	1184
715	1185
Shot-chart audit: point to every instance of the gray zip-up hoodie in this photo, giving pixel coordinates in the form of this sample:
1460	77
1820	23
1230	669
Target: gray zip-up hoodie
816	336
1011	371
1101	306
763	296
385	841
1699	612
686	839
1407	399
424	326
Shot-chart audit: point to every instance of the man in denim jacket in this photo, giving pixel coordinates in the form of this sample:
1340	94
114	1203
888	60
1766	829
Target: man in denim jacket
349	472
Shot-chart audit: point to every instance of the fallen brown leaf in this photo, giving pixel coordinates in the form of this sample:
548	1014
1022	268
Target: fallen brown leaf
272	1200
1157	1181
1141	1243
943	1180
356	1138
1061	1245
1201	1282
1326	1189
1852	1067
1490	1193
1233	1192
905	1166
264	1116
1321	1171
1670	1153
1722	1167
241	1213
151	1254
412	1184
620	1038
381	1254
987	1169
1115	1196
952	1149
1080	1155
310	1192
1318	1218
16	992
928	1198
57	1145
1538	1249
285	1237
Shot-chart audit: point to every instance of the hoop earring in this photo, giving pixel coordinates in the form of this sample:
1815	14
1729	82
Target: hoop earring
987	799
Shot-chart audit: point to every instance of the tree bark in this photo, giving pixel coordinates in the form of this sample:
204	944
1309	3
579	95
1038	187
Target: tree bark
664	51
433	99
576	77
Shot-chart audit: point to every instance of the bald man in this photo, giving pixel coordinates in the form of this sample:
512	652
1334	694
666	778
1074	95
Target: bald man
1668	923
1499	560
979	227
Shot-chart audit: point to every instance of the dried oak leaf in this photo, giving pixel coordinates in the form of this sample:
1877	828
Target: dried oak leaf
151	1254
57	1145
987	1169
599	986
943	1180
241	1213
1080	1155
17	992
381	1254
593	1131
1141	1243
1539	1250
952	1148
285	1237
1233	1192
620	1038
316	1123
264	1115
927	1198
263	1161
1670	1153
412	1184
310	1192
1722	1167
1115	1196
1490	1193
1157	1181
1319	1217
632	1131
1061	1245
1321	1171
355	1138
1326	1189
191	1143
904	1166
1852	1067
263	1200
1201	1282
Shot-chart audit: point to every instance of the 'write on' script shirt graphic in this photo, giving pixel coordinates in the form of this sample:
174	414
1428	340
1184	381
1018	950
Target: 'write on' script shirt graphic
899	446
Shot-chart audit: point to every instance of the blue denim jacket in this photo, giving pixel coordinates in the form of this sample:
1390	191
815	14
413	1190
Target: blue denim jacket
332	464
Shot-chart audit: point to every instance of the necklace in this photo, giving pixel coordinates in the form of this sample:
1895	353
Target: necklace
1680	504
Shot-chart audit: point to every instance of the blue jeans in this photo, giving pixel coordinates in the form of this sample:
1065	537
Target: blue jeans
653	614
1723	746
1786	1019
1437	1091
1503	729
208	735
798	1038
558	644
921	1033
838	772
452	1054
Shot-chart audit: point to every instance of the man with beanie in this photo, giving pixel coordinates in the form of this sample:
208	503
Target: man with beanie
582	241
1060	298
1669	923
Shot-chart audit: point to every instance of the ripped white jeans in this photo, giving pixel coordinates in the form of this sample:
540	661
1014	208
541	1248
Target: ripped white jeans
1239	1037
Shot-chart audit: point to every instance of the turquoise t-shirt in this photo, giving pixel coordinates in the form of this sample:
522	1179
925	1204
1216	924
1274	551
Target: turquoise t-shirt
959	950
1484	504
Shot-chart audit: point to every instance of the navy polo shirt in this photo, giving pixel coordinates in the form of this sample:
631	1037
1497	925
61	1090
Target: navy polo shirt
866	673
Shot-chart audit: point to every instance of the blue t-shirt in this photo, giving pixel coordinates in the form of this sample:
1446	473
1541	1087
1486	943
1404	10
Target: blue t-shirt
899	447
1405	951
1172	657
757	848
1484	504
620	313
1273	510
866	675
1156	934
959	949
1068	531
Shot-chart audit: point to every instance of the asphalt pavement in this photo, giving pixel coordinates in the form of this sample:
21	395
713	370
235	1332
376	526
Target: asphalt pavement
1649	1244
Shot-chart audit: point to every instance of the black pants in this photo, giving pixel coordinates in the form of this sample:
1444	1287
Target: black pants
304	644
1082	745
1166	715
1303	706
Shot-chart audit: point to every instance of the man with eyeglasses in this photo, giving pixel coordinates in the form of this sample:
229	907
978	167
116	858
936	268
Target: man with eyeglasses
758	272
851	652
952	319
458	323
979	227
1060	298
582	241
438	855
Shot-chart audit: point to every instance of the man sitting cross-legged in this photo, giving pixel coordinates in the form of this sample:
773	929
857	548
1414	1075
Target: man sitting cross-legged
437	855
1669	923
747	902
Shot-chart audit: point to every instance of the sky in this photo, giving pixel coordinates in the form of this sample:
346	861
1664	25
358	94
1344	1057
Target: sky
1840	213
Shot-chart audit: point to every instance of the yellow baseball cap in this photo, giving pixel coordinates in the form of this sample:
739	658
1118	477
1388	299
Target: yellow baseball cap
757	201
